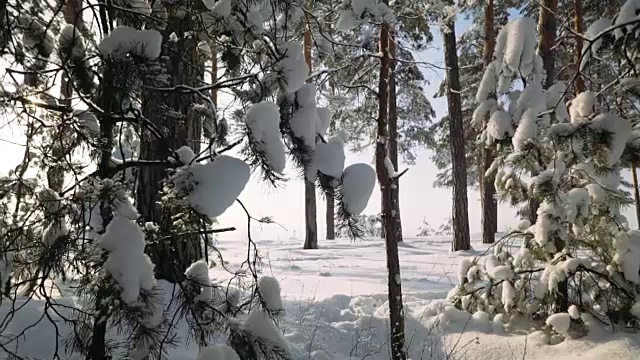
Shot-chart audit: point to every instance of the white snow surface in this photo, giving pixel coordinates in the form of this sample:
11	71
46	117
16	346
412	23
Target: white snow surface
358	181
263	121
217	184
343	316
124	40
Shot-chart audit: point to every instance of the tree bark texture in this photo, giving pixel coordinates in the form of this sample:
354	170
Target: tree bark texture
461	240
330	215
310	206
182	128
396	314
393	133
488	190
636	192
547	29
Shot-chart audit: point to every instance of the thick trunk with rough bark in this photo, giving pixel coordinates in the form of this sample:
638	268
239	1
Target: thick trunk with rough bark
310	207
393	134
461	240
488	190
396	313
578	27
172	256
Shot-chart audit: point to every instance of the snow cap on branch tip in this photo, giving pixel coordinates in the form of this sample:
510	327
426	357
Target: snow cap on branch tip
217	184
358	181
124	40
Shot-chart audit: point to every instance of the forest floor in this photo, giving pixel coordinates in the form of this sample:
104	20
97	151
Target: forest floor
336	308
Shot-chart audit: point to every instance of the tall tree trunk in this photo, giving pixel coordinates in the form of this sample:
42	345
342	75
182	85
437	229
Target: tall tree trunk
636	193
172	113
108	99
396	314
310	210
488	190
547	29
330	215
578	28
393	133
461	240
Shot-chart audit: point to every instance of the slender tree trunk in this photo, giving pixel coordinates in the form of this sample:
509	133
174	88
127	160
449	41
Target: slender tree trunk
547	29
330	215
461	240
636	193
108	99
396	313
578	27
393	133
184	65
310	210
4	33
488	190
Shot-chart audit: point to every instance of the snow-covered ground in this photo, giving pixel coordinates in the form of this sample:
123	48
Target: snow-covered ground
335	303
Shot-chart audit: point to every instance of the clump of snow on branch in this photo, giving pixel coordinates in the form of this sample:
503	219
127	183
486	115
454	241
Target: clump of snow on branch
260	325
269	289
305	120
358	181
198	275
127	263
217	185
218	352
328	158
354	12
594	39
293	69
263	122
628	14
125	40
582	106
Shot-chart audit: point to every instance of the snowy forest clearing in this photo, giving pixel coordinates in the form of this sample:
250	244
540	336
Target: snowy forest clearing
336	308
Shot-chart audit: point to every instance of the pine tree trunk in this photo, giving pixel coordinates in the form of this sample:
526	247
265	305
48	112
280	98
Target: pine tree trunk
107	100
547	29
330	215
461	240
4	29
488	190
172	256
578	27
396	315
636	193
393	133
310	207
